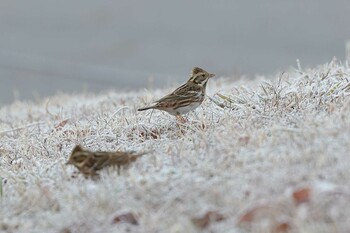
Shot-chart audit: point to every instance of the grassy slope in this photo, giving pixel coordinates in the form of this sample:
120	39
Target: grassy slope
271	138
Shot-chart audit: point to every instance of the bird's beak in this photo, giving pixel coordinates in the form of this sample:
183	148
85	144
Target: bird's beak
211	75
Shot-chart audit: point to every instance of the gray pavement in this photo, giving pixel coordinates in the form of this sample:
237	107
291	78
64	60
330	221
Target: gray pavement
51	46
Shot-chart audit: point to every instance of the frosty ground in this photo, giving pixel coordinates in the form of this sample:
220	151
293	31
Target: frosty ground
264	155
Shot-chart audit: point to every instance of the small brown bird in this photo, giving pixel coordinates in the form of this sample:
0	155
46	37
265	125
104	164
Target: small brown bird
185	98
88	162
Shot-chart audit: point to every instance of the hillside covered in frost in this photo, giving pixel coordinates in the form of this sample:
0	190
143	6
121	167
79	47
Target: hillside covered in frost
264	155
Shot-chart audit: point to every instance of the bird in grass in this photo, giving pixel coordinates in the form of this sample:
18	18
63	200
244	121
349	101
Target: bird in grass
185	98
89	162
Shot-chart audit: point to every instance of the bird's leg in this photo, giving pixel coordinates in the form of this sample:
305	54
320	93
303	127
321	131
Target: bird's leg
118	170
181	119
196	115
88	172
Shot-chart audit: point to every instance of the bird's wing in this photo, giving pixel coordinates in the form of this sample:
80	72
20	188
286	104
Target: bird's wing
185	91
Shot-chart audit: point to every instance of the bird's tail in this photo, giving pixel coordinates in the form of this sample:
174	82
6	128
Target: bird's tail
145	108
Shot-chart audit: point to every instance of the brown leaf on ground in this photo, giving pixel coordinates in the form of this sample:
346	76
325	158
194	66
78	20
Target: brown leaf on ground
302	195
66	230
209	217
255	213
282	228
244	140
61	124
125	218
265	218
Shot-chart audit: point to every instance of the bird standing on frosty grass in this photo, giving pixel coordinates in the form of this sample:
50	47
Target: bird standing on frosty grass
185	98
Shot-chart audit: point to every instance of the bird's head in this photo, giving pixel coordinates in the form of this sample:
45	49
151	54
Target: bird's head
200	76
77	156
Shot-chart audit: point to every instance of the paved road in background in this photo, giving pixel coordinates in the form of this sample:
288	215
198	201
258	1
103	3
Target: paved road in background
50	46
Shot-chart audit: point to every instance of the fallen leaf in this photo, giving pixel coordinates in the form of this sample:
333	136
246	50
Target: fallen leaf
302	195
255	213
244	140
210	216
282	227
66	230
62	124
125	218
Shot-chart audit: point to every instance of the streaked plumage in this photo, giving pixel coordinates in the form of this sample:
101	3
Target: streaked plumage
185	98
88	162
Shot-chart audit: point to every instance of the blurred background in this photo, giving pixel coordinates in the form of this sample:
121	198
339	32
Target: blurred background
48	46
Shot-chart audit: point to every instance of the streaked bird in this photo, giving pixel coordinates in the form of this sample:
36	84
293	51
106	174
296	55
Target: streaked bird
89	162
185	98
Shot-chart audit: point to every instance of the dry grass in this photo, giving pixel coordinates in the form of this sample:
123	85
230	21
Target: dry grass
244	159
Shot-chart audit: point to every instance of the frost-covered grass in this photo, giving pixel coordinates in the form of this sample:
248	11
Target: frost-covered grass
244	156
